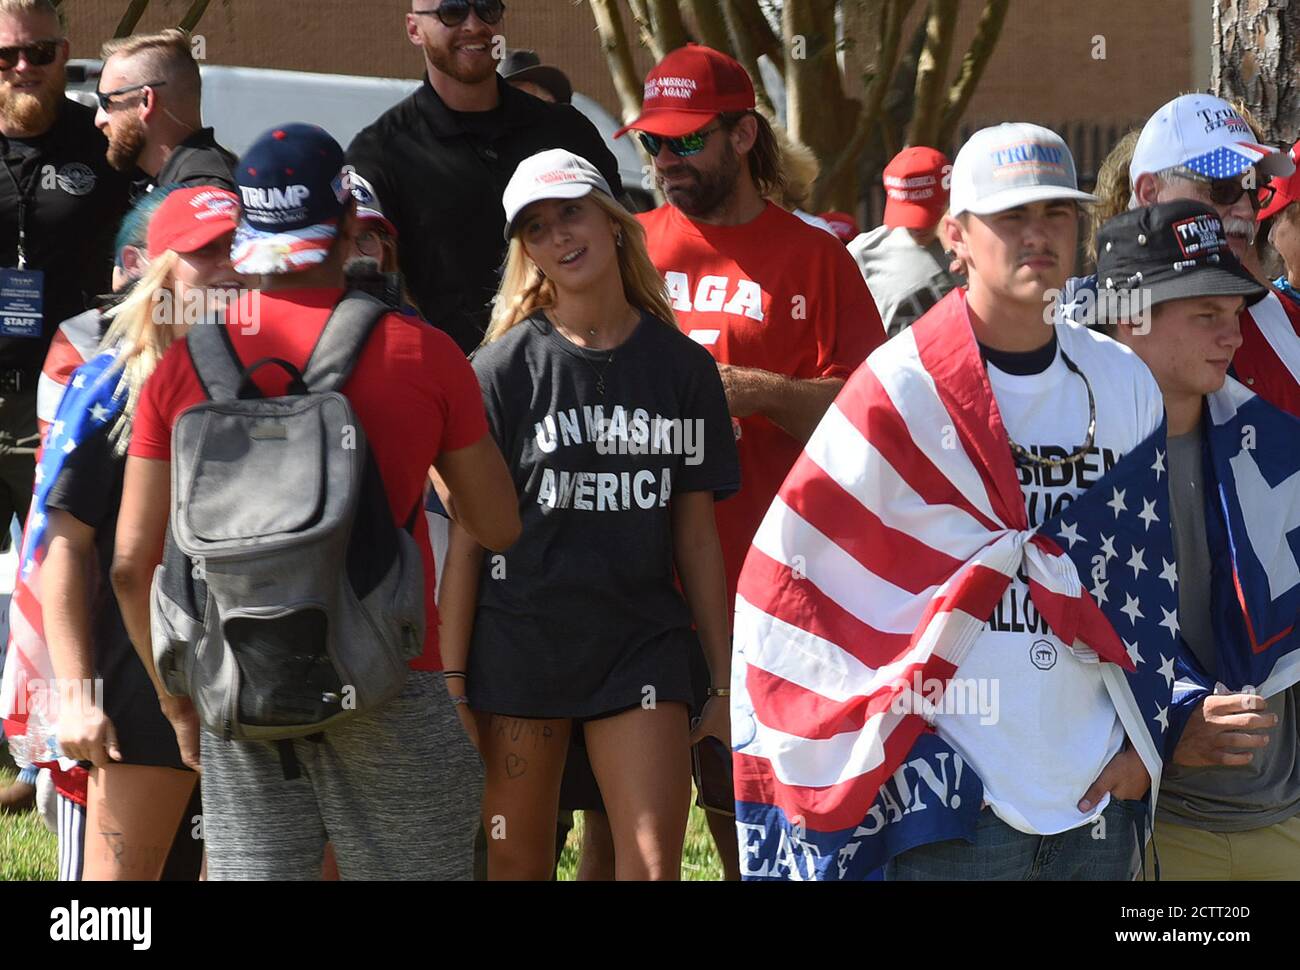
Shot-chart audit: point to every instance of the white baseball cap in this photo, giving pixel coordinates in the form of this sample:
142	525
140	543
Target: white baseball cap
1207	135
1010	165
552	174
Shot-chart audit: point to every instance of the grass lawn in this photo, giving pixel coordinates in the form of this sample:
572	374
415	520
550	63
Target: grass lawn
28	850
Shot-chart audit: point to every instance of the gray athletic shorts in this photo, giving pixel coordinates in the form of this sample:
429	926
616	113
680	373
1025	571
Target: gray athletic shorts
396	791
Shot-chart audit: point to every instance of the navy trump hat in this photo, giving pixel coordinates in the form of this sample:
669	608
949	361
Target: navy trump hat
293	190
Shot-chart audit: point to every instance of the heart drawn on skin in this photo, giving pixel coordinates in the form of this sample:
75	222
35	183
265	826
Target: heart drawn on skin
515	765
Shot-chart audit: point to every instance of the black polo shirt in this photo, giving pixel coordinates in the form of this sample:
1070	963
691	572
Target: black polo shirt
199	160
76	205
439	176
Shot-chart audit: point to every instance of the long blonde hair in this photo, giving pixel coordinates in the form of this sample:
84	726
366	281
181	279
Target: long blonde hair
524	289
141	338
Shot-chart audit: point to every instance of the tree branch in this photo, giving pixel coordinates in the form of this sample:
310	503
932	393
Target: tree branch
973	63
618	55
126	26
895	13
192	16
747	54
710	23
669	28
931	72
751	32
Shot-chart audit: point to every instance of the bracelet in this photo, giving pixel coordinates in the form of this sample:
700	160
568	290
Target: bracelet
454	673
719	691
458	699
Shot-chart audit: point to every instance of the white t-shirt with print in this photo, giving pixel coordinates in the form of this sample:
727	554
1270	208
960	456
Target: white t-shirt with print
1054	725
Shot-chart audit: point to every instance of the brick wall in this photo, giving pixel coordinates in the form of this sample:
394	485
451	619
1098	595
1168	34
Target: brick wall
1042	70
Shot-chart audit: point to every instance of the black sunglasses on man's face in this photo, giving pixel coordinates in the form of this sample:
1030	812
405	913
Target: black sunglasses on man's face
39	54
453	13
105	97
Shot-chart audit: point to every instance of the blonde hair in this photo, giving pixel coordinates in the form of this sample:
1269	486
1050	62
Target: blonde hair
164	56
524	289
799	170
141	339
1112	190
19	8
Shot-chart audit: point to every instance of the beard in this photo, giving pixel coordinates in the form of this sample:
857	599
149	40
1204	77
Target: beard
446	62
708	190
33	111
126	143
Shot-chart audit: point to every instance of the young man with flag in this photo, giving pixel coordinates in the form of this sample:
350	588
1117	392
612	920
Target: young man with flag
1230	802
977	522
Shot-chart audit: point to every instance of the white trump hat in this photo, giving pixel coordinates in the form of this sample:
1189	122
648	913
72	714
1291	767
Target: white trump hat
1208	136
1011	165
552	174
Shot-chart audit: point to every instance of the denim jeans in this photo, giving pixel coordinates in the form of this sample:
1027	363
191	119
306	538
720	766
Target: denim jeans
1105	849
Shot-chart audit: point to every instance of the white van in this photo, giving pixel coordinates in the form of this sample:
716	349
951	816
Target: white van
241	103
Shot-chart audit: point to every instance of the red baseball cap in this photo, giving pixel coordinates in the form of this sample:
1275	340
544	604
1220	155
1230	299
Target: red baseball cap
845	226
189	219
688	89
1286	188
915	188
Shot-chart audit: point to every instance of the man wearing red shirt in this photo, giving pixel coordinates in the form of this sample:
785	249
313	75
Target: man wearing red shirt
397	789
780	305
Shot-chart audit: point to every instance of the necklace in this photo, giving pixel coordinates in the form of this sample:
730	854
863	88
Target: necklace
609	361
1024	455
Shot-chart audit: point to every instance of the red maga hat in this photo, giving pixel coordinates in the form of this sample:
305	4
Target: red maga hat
688	89
189	219
915	188
1286	189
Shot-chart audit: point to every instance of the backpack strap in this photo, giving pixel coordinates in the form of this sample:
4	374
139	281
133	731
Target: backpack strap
342	339
215	362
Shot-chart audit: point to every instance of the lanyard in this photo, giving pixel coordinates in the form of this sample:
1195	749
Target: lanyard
23	198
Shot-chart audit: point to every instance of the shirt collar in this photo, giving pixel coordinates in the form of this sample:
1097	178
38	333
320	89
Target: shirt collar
444	122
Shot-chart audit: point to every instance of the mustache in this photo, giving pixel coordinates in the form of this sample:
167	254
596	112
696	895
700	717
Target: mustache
1039	255
1234	226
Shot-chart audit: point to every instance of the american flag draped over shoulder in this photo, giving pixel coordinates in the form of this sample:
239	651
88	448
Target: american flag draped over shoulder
1253	530
26	704
889	545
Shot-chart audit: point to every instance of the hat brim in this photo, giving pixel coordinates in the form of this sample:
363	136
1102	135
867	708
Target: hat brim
1200	280
367	214
1024	195
668	122
257	252
911	215
1279	202
561	190
550	78
199	236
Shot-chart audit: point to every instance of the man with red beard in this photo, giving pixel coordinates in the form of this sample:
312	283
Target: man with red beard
780	305
150	109
60	205
1199	147
434	162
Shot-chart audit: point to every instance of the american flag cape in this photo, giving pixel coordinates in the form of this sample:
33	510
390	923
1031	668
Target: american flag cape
1269	356
27	705
1253	532
874	571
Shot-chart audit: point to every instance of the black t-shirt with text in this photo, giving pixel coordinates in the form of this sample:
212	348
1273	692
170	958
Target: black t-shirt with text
582	615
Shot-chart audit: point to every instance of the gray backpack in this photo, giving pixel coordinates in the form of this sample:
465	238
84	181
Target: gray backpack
287	600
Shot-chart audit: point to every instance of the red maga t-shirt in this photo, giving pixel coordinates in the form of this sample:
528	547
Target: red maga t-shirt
775	294
412	389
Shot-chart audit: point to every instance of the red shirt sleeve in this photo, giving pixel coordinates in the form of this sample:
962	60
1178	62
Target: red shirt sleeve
151	427
852	329
466	420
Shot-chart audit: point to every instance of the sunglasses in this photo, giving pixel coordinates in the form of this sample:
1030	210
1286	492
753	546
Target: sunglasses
38	54
683	147
105	97
453	13
1228	191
